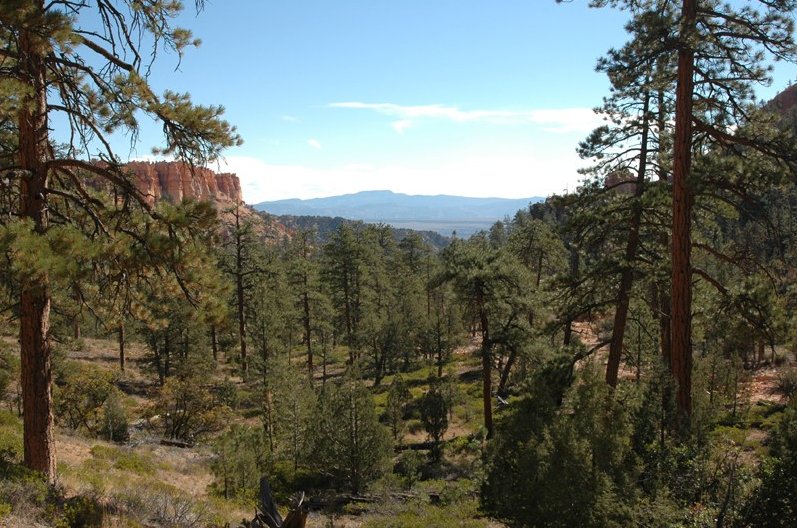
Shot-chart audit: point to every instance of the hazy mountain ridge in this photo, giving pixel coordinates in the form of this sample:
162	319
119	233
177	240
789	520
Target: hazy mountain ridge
440	213
325	226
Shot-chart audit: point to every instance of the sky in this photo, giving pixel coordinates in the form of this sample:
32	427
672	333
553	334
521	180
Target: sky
462	97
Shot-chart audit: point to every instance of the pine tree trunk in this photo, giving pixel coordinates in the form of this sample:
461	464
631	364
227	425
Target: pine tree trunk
307	329
681	320
662	303
632	245
122	338
239	291
36	357
214	343
487	396
573	262
503	381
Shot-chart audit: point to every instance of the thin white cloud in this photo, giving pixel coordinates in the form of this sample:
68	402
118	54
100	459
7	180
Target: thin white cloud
314	143
518	175
291	119
561	120
401	125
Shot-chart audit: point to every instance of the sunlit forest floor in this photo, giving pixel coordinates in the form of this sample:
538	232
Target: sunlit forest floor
170	481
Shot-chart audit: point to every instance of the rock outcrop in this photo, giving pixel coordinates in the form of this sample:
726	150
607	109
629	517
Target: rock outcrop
785	101
176	181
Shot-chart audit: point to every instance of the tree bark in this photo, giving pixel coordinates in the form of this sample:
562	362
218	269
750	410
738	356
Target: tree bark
239	291
36	356
573	262
122	339
632	245
504	379
487	396
214	343
681	298
662	303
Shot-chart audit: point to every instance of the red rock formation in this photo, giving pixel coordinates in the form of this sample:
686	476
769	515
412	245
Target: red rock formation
785	100
176	181
621	181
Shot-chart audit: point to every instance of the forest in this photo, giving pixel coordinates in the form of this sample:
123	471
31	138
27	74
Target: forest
624	354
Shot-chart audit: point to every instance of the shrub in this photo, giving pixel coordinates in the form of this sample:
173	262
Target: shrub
409	466
398	396
114	421
241	456
187	409
81	397
786	383
349	443
81	512
434	416
124	459
774	503
561	456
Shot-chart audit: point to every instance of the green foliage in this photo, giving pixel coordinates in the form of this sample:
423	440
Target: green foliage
434	416
241	457
349	443
563	466
9	370
774	503
124	459
23	490
786	383
83	397
419	515
398	396
288	413
186	409
10	434
409	466
114	421
81	512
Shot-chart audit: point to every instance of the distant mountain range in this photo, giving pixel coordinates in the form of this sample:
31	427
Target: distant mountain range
442	213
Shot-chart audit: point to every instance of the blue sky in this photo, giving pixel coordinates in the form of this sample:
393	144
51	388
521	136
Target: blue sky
460	97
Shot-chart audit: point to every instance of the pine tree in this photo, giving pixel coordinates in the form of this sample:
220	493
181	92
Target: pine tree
720	52
87	62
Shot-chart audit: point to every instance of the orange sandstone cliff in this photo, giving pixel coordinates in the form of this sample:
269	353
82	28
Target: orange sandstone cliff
175	181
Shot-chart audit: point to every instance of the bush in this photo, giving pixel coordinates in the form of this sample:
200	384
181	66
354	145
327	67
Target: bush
124	459
114	421
398	396
187	410
9	369
434	416
562	456
81	397
241	457
786	383
774	503
349	443
227	394
163	505
409	466
81	512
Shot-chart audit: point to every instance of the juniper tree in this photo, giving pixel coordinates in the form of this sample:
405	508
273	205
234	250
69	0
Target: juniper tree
88	64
